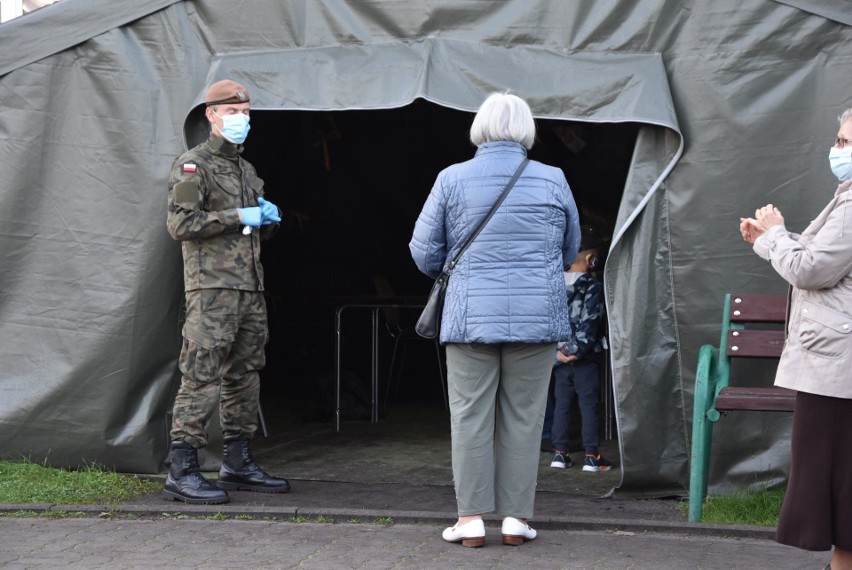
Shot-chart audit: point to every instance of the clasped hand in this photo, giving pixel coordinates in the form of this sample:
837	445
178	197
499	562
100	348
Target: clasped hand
269	211
565	359
764	218
262	215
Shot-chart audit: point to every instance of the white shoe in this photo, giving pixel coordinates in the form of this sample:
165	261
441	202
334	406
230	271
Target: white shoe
515	532
470	534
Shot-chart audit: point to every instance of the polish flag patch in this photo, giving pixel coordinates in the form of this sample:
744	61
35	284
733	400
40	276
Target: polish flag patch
189	167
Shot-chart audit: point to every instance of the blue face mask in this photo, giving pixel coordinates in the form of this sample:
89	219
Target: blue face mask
235	128
841	162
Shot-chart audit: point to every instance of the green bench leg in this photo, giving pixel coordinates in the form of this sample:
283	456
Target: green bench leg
702	428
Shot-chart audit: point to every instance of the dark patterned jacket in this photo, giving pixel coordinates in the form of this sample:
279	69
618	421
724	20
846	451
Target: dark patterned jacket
206	186
585	311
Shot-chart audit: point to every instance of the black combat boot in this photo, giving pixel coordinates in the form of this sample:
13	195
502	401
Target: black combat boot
240	472
185	481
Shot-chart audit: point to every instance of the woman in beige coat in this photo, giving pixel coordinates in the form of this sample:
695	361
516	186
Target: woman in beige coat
817	361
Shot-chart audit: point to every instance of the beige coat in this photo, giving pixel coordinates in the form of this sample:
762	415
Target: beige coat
817	356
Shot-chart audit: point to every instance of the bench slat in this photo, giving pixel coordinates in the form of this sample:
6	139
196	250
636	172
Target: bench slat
758	308
751	343
755	399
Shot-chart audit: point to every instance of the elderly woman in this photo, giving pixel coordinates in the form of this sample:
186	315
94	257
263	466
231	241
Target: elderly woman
817	360
505	310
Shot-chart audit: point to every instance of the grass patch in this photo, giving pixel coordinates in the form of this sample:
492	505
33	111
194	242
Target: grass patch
760	508
63	514
175	516
26	482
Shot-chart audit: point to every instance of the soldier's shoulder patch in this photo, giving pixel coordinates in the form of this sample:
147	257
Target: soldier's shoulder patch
186	193
189	167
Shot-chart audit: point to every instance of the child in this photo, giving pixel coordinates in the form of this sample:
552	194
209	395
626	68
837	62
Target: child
577	371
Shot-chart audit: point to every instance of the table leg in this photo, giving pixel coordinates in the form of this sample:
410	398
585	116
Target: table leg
374	378
337	342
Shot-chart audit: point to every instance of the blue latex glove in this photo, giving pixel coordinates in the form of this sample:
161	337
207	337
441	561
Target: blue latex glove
269	210
252	217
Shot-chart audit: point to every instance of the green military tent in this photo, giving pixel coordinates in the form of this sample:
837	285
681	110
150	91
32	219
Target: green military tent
705	110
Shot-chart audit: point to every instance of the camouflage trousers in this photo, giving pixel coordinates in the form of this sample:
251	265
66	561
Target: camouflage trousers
223	352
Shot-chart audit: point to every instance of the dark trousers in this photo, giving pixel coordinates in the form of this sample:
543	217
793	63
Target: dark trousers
581	381
546	431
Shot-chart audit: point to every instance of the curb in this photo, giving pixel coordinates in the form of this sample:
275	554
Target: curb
626	526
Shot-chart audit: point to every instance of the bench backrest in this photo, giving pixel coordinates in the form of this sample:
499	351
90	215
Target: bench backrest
742	310
742	342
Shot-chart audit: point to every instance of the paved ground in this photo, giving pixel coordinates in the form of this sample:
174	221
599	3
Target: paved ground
328	525
346	485
94	543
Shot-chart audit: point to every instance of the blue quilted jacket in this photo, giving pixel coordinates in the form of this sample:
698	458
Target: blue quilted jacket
508	285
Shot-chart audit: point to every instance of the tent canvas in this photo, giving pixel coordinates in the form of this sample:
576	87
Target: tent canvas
735	102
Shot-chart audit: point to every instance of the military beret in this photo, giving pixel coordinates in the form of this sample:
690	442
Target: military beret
226	91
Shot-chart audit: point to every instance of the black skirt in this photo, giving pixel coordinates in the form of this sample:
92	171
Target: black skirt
817	510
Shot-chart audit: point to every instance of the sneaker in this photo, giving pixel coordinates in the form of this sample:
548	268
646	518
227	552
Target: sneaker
561	460
596	463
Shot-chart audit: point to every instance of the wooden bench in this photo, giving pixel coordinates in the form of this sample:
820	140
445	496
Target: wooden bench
713	393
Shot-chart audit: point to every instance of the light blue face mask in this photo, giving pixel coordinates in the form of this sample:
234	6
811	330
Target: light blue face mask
235	128
841	162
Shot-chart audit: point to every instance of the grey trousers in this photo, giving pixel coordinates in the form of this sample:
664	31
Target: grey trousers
497	396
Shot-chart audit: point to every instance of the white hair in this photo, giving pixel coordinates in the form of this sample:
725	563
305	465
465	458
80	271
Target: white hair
845	116
503	117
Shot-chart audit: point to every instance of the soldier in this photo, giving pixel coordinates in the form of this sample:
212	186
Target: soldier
218	213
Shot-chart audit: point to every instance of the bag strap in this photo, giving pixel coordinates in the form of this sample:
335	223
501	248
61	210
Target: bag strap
493	209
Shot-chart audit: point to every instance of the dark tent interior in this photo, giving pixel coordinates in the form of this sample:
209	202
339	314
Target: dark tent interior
351	185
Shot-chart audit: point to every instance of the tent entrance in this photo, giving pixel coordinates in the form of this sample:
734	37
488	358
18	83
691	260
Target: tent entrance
351	184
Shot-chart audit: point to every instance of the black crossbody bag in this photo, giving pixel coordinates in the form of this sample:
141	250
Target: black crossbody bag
429	323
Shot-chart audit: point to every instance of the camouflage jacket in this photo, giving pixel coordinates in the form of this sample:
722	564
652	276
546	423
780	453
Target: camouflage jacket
585	311
206	186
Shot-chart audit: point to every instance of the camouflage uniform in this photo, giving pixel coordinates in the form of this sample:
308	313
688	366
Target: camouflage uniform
226	329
